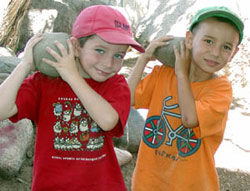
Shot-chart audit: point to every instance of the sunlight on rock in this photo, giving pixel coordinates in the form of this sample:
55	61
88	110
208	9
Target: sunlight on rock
3	9
43	19
62	2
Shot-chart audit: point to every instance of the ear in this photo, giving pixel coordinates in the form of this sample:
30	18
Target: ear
76	46
233	54
189	39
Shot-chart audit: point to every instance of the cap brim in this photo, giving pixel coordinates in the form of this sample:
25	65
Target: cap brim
119	38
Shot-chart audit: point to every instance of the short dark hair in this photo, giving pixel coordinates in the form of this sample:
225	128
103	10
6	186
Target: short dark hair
83	40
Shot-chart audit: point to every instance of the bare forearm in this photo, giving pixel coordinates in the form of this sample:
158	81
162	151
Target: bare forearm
98	108
187	103
9	89
136	75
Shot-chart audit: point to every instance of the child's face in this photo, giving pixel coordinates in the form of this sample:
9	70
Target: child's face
213	45
100	60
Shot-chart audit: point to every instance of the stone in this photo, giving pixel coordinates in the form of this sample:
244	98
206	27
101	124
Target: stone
135	127
5	51
41	52
15	139
8	63
132	133
123	156
165	54
3	76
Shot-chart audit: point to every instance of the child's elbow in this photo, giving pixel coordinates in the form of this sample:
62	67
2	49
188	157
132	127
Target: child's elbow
189	122
107	127
109	124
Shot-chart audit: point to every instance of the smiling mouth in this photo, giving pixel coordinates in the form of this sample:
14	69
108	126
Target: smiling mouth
211	62
103	73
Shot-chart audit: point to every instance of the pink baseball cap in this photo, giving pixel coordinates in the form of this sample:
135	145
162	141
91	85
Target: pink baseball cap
106	22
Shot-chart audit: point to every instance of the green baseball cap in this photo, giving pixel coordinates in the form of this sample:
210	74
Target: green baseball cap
218	12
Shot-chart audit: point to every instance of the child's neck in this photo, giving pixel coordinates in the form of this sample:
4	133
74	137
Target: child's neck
197	75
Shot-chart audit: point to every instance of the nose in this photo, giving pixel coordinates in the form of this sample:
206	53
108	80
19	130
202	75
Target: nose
215	50
108	61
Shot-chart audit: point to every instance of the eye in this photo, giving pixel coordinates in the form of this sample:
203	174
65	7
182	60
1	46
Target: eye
208	41
119	56
100	51
227	48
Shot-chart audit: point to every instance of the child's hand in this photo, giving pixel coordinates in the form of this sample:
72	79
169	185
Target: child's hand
162	41
182	61
28	51
65	64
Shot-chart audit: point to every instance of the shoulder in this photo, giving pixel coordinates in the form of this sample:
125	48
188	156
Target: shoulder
163	68
41	81
162	71
219	88
34	78
117	84
39	76
221	82
117	81
117	78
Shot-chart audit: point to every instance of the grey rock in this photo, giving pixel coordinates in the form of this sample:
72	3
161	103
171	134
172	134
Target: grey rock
8	63
123	156
53	16
3	76
5	51
133	132
161	19
41	52
15	138
165	54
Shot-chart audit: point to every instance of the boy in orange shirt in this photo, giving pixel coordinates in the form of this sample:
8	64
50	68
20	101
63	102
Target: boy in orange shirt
188	106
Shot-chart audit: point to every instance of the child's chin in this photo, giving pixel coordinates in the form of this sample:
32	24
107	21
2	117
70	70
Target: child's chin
103	78
100	79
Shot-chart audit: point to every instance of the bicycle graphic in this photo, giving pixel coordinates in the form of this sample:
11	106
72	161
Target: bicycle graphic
154	132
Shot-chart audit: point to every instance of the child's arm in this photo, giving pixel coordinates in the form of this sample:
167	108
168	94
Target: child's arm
185	95
98	108
10	87
142	61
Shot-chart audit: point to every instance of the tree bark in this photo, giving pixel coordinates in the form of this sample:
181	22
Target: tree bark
9	34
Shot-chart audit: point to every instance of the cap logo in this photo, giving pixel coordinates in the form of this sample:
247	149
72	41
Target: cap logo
123	26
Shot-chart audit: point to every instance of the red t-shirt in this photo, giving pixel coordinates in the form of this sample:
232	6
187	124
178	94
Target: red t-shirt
71	152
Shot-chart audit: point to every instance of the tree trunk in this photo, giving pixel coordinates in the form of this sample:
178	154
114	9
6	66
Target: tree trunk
9	34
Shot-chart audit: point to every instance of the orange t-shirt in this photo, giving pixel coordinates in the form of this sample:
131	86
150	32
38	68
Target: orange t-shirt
172	157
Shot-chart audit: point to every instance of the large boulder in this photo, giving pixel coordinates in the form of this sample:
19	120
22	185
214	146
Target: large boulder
6	51
59	16
7	65
15	139
51	16
133	132
165	17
